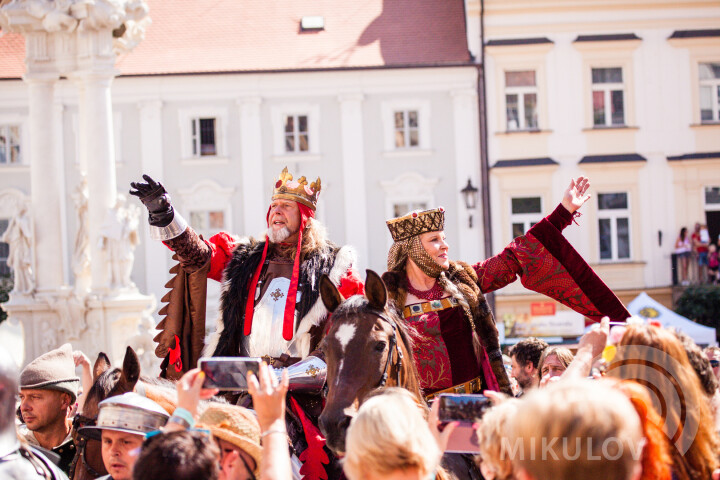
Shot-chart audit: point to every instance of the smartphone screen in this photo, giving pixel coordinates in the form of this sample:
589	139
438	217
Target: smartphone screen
228	373
467	410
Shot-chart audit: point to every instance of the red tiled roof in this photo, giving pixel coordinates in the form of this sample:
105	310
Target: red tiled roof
192	36
12	55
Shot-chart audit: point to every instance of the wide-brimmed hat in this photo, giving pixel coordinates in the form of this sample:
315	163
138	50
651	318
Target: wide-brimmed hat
129	413
236	425
54	370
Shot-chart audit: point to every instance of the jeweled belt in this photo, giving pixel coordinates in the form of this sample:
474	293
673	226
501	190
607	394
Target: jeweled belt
431	306
472	386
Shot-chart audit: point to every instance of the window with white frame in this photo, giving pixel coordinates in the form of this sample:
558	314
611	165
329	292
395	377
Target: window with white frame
403	208
297	138
207	222
712	198
608	97
525	212
407	132
10	144
204	136
709	75
4	249
521	99
614	226
406	127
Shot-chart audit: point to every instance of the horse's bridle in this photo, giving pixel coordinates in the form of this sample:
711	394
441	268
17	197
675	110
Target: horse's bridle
78	422
393	344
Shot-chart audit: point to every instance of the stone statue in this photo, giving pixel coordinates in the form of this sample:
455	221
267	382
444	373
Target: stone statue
19	237
81	250
119	237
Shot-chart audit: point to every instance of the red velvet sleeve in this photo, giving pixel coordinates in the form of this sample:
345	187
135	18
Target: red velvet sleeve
221	246
546	263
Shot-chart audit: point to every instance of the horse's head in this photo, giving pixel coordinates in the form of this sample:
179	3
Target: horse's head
365	347
107	382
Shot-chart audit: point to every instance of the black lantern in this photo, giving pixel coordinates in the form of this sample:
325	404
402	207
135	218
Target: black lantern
470	196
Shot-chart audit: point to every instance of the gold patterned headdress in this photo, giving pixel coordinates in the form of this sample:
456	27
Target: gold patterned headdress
415	223
405	231
297	190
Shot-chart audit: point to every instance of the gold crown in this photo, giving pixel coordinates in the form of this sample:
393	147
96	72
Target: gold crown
415	223
296	190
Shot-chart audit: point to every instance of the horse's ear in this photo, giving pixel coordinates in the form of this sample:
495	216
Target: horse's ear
375	290
102	364
329	293
130	369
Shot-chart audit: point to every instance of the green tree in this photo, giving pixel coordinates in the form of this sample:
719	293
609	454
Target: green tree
702	304
6	284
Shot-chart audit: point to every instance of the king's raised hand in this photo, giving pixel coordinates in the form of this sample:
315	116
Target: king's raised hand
156	199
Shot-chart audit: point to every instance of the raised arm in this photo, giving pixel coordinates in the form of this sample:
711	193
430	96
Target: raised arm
546	263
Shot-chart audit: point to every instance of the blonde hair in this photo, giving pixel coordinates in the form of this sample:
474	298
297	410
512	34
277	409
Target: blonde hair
581	429
493	427
389	434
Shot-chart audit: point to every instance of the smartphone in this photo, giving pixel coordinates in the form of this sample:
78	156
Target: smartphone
228	373
466	409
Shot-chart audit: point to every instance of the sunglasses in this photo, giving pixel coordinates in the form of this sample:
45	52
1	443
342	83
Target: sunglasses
715	363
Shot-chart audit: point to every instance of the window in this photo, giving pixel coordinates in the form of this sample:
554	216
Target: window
203	137
712	198
521	100
407	133
296	133
4	249
709	92
207	222
526	212
608	97
400	209
614	226
10	145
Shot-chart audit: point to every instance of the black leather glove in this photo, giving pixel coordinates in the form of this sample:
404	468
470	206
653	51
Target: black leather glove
156	199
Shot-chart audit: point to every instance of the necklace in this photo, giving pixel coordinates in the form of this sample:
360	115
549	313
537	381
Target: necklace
435	292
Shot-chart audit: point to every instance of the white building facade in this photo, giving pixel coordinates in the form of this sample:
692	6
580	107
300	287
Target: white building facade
622	92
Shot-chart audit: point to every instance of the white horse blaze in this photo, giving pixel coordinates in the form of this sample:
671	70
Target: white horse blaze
344	334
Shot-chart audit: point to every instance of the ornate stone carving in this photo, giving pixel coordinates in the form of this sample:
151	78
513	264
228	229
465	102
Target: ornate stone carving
125	19
19	236
81	250
119	237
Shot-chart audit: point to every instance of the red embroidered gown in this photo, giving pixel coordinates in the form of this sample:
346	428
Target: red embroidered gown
546	263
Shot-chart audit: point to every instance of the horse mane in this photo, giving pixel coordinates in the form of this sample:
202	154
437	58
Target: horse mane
359	304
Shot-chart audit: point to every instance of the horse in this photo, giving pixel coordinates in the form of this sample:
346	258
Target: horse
108	382
368	347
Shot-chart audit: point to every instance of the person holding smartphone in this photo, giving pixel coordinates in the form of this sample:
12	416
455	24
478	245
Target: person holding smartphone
457	349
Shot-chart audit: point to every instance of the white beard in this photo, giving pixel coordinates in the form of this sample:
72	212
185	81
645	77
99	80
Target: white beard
277	236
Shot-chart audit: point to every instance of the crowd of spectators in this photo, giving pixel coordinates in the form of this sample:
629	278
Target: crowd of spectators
641	402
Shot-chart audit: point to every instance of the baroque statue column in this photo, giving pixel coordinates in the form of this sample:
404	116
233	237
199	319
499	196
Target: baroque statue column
77	39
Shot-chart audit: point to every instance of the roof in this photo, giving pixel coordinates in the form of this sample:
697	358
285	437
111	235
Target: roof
625	157
696	33
607	38
694	156
508	42
525	162
188	36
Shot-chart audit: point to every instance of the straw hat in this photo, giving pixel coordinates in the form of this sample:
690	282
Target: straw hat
236	425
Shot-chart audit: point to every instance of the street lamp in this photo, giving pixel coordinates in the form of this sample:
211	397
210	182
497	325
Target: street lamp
470	195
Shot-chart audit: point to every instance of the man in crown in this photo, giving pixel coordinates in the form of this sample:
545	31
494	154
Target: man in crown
270	304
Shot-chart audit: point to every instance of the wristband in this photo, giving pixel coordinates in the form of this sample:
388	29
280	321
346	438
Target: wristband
273	430
183	417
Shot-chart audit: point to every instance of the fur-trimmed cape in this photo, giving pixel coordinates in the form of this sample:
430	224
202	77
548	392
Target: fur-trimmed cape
227	339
